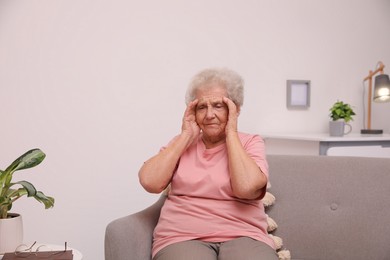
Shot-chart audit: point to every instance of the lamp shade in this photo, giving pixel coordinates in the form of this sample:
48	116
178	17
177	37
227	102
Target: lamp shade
382	88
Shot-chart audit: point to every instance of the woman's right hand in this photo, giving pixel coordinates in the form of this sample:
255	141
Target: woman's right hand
189	126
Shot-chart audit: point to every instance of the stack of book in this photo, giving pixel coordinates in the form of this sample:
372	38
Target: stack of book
42	255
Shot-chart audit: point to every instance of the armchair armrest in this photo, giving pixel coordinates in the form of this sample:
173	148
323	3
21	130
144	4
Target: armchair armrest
130	237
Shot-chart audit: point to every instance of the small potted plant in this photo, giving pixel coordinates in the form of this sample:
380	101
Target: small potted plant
11	192
340	113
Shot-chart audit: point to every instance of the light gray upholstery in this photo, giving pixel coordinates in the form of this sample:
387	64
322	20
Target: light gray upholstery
327	208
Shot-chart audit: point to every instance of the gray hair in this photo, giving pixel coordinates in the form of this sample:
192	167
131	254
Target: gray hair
229	79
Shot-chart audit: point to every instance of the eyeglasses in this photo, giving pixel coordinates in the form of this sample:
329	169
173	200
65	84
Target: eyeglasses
42	251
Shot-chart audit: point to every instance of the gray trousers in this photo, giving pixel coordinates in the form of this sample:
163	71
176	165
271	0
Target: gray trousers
243	248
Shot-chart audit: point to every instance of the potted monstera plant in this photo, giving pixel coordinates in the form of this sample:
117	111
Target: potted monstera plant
11	228
340	113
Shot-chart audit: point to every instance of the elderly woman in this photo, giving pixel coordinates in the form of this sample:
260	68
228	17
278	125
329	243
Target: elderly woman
217	178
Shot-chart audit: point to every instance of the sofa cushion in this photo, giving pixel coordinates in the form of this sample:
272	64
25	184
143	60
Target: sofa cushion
332	207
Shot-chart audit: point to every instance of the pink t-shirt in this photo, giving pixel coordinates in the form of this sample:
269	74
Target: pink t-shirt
201	204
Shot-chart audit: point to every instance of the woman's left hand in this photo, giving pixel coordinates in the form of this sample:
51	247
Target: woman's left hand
231	125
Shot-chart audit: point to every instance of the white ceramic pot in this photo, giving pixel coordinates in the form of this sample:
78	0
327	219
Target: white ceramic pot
11	233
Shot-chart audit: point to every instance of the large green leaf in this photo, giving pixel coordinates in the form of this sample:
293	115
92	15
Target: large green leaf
29	159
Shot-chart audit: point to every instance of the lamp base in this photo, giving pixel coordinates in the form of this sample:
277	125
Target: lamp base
371	131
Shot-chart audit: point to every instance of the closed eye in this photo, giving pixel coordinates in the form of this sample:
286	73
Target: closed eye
200	107
219	105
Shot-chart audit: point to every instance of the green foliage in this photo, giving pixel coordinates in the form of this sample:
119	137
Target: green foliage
12	191
341	110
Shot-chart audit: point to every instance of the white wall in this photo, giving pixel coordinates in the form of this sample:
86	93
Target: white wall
99	86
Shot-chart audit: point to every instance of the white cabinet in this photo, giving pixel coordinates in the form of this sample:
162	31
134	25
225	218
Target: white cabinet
323	144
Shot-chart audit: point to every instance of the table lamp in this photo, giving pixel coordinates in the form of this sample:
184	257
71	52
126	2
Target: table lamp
381	94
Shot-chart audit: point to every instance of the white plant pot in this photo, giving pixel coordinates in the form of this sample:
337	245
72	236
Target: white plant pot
11	233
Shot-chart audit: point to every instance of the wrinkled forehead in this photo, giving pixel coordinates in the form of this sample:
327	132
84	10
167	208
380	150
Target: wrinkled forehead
211	99
211	93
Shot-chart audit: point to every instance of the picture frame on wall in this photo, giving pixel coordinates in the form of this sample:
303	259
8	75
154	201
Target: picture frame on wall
298	94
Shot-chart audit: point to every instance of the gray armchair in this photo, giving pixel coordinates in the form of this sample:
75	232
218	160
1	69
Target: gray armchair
130	237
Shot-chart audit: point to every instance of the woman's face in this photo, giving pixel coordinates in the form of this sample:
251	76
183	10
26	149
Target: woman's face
212	113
